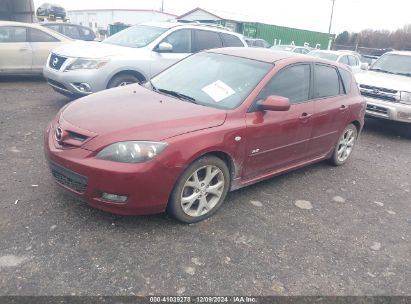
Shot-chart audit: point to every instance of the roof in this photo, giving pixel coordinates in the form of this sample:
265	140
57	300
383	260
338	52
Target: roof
119	9
259	54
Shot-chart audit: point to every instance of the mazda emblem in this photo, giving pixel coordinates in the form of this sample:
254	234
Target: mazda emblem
59	134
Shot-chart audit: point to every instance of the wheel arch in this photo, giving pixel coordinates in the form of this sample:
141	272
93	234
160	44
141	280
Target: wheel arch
140	76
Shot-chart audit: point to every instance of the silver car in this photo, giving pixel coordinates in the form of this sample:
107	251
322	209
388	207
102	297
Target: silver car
386	87
132	55
24	47
345	57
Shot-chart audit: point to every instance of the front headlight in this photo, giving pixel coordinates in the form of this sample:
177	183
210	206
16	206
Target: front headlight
87	64
132	151
406	97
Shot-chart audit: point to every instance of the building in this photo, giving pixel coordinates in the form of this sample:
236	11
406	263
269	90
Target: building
100	19
273	34
17	10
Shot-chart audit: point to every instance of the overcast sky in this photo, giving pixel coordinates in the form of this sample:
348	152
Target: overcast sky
351	15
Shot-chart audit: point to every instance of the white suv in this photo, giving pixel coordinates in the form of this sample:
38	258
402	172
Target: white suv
386	87
132	55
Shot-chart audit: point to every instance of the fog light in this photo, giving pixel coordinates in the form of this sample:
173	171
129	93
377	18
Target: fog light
114	197
83	87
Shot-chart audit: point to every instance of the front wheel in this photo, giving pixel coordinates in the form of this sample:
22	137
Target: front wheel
122	80
345	146
200	191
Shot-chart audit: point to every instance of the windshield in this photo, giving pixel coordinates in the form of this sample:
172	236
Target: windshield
213	80
394	64
282	47
323	55
136	36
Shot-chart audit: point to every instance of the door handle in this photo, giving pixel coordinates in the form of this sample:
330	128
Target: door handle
305	116
343	108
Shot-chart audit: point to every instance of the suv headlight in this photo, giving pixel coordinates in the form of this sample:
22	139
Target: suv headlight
132	151
87	64
406	97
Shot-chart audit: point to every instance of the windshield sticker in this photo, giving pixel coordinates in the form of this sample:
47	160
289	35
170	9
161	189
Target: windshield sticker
218	91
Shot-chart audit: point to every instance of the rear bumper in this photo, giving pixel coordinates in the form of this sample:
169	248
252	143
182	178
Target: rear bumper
388	110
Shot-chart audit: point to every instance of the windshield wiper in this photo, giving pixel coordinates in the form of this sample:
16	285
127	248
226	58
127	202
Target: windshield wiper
382	71
404	74
178	95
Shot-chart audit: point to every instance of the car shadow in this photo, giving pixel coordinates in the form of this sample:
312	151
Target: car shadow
22	78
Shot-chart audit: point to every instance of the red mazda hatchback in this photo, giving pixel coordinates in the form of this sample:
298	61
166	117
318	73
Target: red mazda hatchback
217	121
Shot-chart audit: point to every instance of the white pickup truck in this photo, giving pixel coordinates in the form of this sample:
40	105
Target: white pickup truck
386	87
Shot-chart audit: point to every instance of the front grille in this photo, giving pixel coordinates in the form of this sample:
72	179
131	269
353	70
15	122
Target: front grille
379	93
56	61
68	178
377	109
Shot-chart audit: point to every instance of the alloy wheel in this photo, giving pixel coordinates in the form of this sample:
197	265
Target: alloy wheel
346	145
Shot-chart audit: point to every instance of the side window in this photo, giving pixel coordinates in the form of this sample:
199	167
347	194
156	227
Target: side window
54	27
205	40
305	51
39	36
71	31
346	79
326	81
13	34
86	33
344	60
292	82
231	40
353	60
180	40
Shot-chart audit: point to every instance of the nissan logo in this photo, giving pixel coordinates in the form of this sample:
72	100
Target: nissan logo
55	61
376	91
59	134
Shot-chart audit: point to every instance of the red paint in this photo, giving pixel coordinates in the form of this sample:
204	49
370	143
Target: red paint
272	142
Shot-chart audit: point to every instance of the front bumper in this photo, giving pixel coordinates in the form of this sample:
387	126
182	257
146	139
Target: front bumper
388	110
67	83
147	186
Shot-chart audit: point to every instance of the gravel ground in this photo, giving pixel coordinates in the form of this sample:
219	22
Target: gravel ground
317	231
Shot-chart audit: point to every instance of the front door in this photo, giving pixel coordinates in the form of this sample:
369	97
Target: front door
277	140
15	50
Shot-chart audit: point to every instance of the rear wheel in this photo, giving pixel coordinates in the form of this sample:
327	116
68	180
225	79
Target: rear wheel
122	80
345	146
200	191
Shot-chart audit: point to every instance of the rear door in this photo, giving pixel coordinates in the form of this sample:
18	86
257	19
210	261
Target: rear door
15	50
205	40
277	140
41	43
330	109
181	40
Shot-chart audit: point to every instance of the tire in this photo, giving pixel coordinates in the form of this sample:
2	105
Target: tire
345	146
202	196
121	80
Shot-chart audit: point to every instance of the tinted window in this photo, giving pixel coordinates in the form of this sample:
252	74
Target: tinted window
10	34
180	40
326	81
54	27
353	60
39	36
344	59
71	31
292	82
231	40
346	78
85	33
207	40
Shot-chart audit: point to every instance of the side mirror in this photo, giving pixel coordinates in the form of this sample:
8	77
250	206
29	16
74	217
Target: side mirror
364	66
164	47
275	103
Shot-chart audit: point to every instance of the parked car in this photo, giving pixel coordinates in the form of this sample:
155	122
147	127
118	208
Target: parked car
74	31
386	87
251	42
214	122
344	57
132	55
24	47
368	59
51	10
291	48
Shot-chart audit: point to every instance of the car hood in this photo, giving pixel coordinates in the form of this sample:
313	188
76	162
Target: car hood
94	49
134	113
384	80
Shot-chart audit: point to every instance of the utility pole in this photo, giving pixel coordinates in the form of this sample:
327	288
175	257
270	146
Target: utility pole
331	18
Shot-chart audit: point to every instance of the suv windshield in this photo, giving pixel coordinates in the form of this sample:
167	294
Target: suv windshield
393	64
211	79
136	36
324	55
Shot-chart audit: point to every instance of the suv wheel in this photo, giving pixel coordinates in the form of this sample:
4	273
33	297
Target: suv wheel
122	80
200	191
345	146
